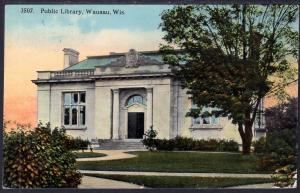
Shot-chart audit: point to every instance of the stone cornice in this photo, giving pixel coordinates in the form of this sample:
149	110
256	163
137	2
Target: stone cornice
103	77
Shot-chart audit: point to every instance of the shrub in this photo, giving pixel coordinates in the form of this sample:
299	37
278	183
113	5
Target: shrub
266	163
228	145
76	143
165	144
38	159
149	139
280	157
189	144
282	142
82	144
259	146
279	151
183	143
284	176
210	145
198	145
281	122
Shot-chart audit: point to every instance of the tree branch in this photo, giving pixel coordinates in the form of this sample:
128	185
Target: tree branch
255	110
276	88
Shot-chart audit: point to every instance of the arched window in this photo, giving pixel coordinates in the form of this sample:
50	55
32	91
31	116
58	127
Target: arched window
136	99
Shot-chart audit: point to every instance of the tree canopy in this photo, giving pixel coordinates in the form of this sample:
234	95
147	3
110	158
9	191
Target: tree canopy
230	57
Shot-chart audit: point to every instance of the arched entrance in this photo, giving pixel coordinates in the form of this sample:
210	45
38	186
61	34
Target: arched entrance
136	107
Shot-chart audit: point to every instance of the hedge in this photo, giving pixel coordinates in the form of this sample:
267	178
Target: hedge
189	144
76	143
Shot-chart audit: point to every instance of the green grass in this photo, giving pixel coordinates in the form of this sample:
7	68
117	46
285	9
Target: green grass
183	181
179	162
88	154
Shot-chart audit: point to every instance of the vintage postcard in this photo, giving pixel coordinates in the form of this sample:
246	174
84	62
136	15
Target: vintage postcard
150	96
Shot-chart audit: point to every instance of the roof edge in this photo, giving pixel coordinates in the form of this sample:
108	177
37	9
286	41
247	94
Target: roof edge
123	54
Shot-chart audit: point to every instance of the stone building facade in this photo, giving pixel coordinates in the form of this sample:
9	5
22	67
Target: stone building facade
119	96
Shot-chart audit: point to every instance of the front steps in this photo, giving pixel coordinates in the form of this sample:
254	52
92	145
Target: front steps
122	144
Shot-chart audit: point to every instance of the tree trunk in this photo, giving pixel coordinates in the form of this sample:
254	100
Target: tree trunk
246	145
246	135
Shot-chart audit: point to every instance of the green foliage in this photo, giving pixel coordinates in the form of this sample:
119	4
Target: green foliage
38	159
69	142
282	148
149	139
279	146
232	56
281	122
228	145
266	163
189	144
285	176
259	146
279	150
76	144
280	143
165	144
88	154
183	143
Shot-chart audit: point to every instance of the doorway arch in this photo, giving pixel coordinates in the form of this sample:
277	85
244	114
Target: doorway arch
136	108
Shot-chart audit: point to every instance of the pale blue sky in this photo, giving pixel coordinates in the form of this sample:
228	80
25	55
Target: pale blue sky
137	17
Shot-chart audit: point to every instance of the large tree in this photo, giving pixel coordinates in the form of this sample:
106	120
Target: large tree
230	57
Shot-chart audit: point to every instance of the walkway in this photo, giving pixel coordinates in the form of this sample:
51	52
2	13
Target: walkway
101	183
110	155
225	175
251	186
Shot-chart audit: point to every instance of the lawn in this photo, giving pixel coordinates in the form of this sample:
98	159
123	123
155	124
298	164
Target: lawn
183	182
179	162
88	154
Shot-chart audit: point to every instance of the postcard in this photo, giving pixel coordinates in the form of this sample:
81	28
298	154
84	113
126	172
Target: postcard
100	96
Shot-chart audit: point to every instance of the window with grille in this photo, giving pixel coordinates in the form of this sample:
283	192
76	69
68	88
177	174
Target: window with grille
136	99
211	120
74	108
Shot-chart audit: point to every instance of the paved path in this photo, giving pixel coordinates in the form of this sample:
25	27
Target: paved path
101	183
89	182
251	186
110	155
226	175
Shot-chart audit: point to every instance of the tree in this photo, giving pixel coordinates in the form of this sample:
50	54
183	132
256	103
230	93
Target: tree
230	57
149	139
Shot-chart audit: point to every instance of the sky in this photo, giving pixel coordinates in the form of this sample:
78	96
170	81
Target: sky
34	41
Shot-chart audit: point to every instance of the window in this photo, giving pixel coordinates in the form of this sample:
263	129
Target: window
212	120
74	108
136	99
260	116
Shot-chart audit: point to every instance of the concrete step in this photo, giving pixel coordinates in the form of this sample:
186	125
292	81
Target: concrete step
126	144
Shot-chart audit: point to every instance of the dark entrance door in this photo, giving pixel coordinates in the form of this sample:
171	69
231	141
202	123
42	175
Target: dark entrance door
135	125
